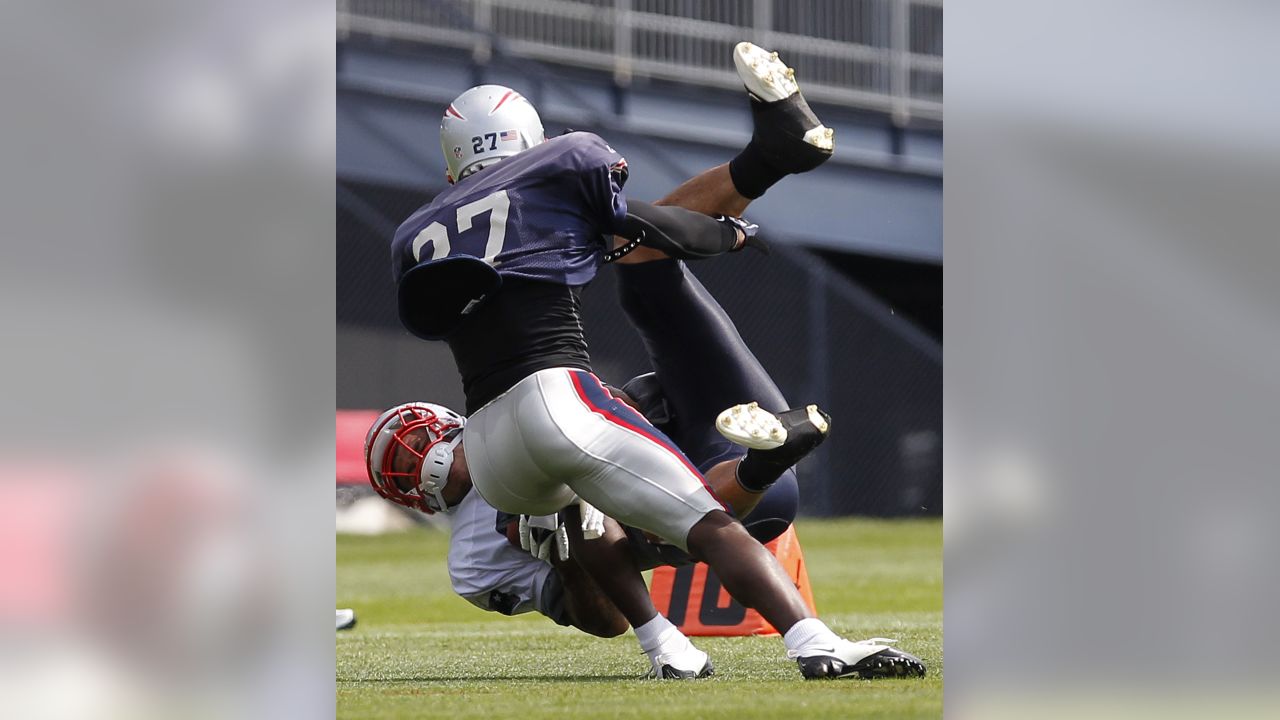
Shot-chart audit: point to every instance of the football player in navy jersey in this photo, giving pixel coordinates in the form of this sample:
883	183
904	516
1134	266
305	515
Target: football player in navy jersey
493	267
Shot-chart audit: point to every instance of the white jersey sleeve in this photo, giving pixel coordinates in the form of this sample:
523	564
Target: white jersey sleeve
486	569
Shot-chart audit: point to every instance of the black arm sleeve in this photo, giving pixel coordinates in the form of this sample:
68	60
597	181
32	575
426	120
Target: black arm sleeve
680	233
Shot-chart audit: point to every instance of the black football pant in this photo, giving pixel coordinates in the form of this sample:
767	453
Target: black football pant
701	366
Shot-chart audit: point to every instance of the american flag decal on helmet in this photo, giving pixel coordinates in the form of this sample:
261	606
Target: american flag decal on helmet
508	136
618	171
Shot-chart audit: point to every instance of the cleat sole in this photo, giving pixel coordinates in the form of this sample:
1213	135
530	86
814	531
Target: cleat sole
765	76
888	663
816	417
821	137
784	125
752	427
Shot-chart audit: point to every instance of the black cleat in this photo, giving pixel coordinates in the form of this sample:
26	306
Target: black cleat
785	437
786	130
867	659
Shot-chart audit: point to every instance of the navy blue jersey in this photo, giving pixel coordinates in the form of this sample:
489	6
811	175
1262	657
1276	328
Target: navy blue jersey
543	215
494	264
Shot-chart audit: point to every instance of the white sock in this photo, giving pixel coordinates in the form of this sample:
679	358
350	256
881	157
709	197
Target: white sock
655	633
806	632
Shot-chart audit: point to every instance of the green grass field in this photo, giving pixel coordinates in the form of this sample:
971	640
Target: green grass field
421	651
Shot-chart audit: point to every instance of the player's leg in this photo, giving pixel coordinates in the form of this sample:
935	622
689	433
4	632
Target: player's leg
607	560
711	192
519	449
787	138
753	576
701	367
701	361
611	566
582	603
707	354
765	516
640	480
655	292
764	509
583	590
635	474
568	594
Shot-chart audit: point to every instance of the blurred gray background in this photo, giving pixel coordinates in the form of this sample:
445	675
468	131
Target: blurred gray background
1112	389
847	312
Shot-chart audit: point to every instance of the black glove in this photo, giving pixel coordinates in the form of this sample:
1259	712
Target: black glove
749	230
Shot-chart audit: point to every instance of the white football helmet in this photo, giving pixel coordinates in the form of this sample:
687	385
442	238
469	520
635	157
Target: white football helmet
444	432
485	124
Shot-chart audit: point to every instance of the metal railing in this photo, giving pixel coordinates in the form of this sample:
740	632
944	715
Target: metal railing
883	55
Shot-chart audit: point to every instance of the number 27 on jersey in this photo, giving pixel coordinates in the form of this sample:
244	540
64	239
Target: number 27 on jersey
496	204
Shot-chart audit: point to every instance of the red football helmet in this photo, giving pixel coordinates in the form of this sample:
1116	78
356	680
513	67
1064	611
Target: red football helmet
428	479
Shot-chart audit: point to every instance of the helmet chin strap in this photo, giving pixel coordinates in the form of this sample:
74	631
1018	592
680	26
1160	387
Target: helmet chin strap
433	477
